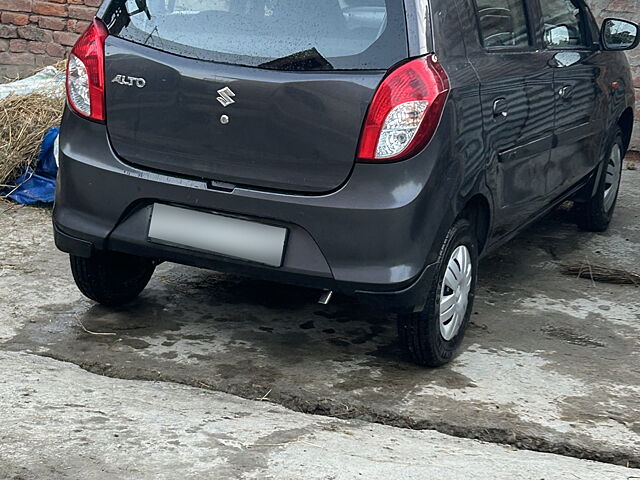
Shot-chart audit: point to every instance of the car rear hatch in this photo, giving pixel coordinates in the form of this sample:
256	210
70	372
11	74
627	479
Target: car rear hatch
264	93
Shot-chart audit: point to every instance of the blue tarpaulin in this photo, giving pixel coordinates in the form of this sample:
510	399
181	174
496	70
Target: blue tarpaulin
39	185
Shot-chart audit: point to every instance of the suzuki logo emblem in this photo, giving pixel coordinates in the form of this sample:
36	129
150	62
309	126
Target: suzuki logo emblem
225	96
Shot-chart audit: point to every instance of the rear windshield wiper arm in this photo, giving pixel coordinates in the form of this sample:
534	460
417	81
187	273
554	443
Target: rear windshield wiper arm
310	59
142	7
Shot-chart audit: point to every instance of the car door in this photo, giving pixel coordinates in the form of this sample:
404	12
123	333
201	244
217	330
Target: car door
568	36
518	109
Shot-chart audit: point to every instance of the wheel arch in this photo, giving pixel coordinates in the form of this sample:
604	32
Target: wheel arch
478	211
625	122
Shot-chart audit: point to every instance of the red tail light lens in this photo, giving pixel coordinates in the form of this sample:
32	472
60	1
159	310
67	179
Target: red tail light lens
85	73
405	111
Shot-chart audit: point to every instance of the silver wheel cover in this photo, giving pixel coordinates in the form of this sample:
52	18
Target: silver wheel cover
613	173
454	294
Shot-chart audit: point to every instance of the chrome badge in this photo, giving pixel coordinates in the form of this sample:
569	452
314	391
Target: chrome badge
225	97
129	81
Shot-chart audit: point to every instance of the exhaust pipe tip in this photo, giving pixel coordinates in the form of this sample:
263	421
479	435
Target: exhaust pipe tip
325	298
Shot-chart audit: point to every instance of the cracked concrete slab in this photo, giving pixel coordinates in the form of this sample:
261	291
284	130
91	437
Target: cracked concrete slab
62	422
550	362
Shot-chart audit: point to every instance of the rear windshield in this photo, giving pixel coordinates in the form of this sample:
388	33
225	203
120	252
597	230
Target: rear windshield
276	34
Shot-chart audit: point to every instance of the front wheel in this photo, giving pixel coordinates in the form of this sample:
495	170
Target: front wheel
433	336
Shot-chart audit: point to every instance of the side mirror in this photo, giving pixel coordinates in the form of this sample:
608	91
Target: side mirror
619	34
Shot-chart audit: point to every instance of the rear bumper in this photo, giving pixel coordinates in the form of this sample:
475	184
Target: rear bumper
372	238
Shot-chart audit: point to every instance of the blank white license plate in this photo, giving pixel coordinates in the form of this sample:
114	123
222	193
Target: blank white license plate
217	234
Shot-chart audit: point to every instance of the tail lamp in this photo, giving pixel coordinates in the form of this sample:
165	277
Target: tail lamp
85	73
405	111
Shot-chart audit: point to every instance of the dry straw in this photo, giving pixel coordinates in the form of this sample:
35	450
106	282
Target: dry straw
599	273
24	119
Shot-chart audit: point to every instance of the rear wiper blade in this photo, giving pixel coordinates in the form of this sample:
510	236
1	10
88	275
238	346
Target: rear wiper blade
142	7
310	59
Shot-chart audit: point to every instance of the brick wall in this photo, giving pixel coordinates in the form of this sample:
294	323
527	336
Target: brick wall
35	33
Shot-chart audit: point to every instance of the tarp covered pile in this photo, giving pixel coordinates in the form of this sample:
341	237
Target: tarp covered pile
38	184
30	111
48	81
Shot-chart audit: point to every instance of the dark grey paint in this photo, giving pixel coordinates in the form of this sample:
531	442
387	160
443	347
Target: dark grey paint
286	130
378	230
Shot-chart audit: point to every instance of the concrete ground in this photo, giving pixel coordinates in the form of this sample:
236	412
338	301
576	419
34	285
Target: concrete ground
62	422
550	364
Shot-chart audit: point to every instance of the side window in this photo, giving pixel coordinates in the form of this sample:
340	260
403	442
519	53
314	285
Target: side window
503	23
563	24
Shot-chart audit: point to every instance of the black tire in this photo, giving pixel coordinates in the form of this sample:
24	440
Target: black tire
594	215
420	333
111	279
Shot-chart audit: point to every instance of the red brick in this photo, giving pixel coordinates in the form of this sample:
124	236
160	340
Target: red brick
81	13
18	45
19	19
77	26
51	9
31	32
37	47
54	50
10	58
4	45
8	31
65	38
52	23
75	2
15	5
622	6
93	3
45	60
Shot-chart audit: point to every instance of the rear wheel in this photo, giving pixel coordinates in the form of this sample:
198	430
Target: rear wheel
432	337
111	278
595	214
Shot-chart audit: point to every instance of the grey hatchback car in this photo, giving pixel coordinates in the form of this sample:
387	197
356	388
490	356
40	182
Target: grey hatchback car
375	148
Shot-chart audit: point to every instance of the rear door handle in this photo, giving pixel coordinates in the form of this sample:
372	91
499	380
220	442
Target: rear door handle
566	92
500	108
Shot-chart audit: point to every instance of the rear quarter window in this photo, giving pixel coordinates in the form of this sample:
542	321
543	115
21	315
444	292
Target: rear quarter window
503	23
275	34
